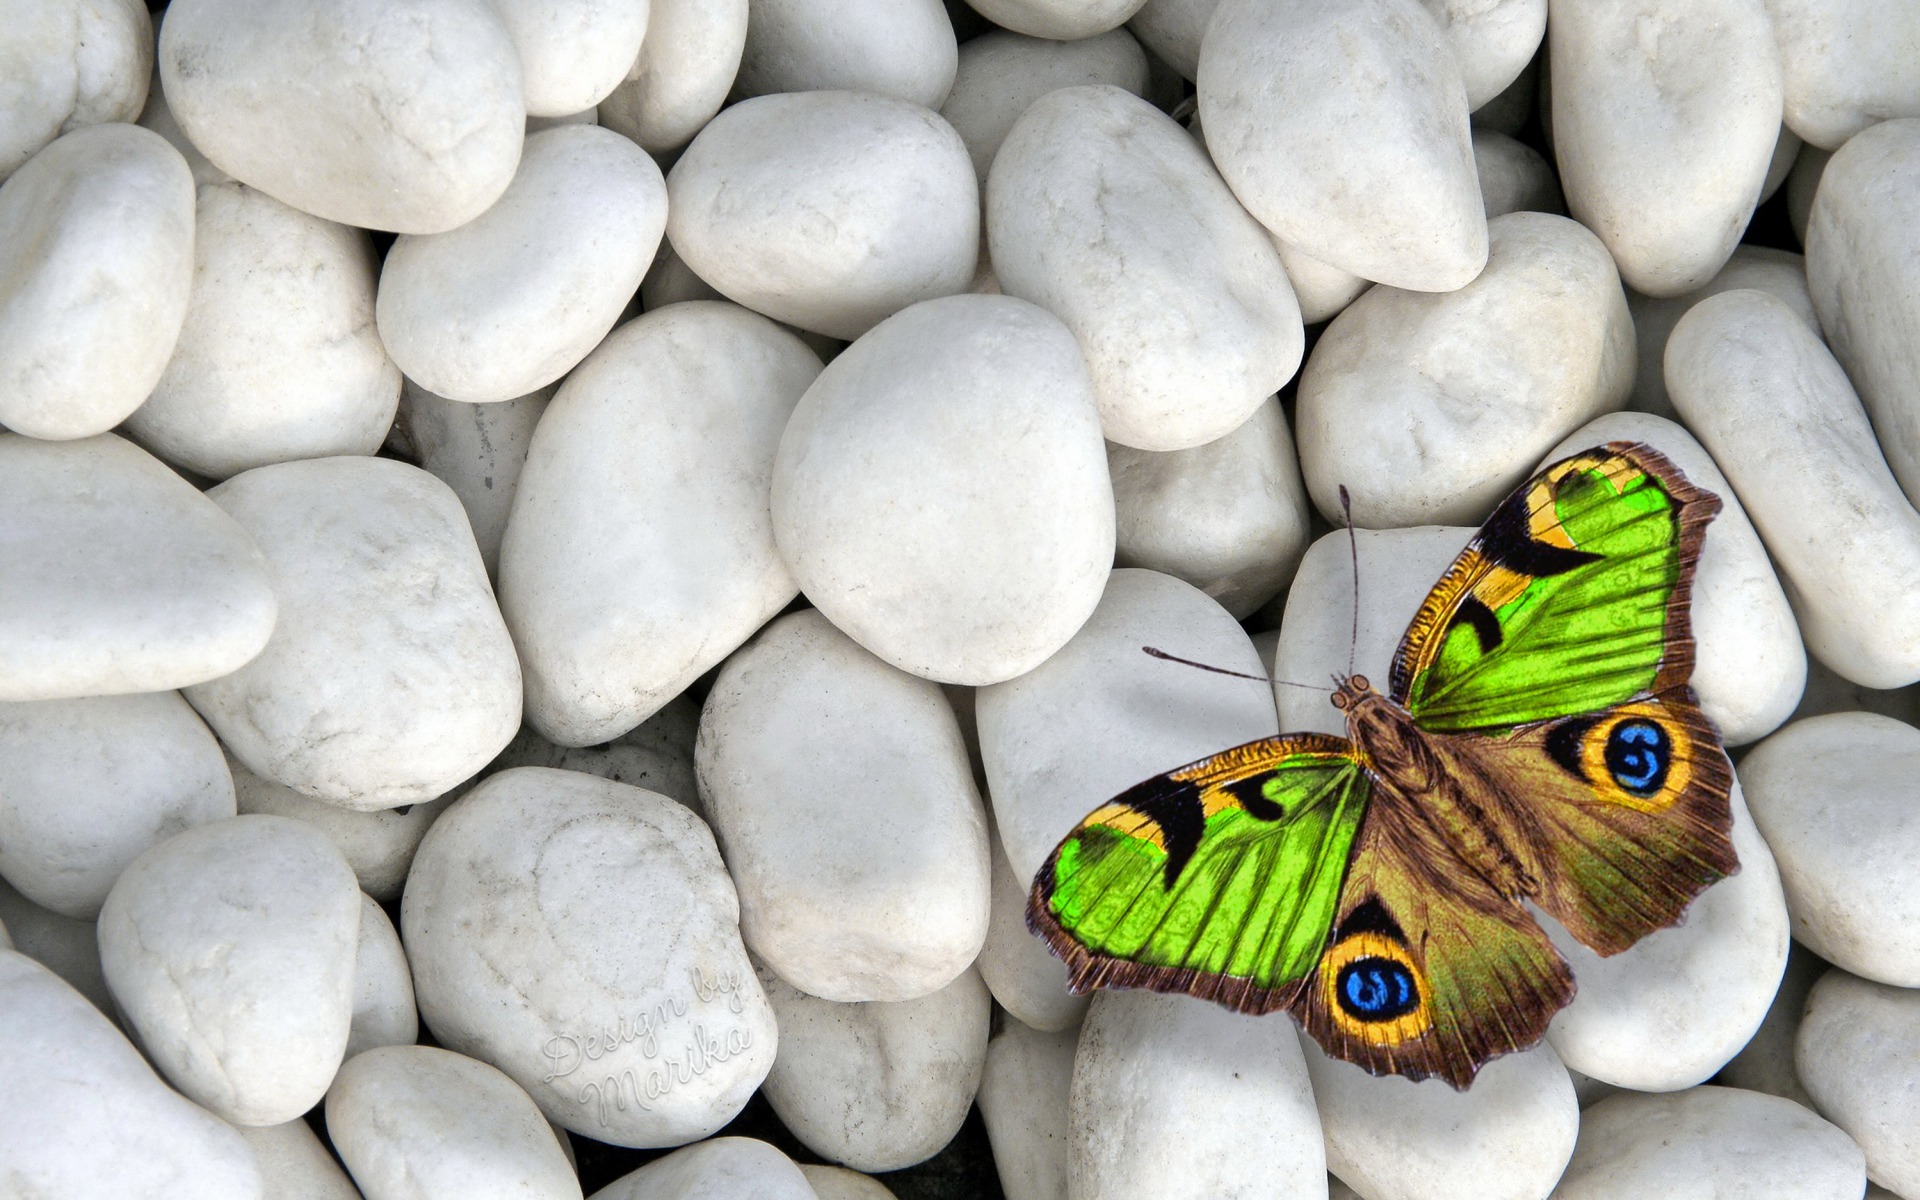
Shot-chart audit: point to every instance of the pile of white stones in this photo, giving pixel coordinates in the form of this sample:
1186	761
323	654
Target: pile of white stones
659	836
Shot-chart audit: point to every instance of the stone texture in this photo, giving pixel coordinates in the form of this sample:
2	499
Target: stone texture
377	844
716	1169
67	66
1001	74
572	52
1848	64
478	450
1025	1092
1493	41
681	76
1322	291
294	1165
1023	975
1858	1052
383	1006
1172	29
899	48
1062	20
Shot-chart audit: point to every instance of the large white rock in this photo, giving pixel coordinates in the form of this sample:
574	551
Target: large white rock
390	677
583	936
85	1115
278	357
294	1165
477	450
377	844
572	52
1017	967
1858	1051
1431	408
829	210
421	1123
941	492
1151	1078
877	1086
1715	1140
96	263
512	300
1101	715
230	948
1506	1138
899	48
1835	794
1849	63
622	584
1229	517
87	785
840	793
1025	1092
404	115
1062	20
1001	73
1764	395
1664	123
1780	272
118	576
1102	210
383	1005
1342	126
1493	39
66	66
65	946
1863	266
717	1169
682	73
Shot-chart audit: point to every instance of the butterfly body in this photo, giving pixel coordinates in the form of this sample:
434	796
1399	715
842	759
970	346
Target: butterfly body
1538	744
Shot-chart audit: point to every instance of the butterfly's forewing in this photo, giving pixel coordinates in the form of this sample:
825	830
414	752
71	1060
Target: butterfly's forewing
1219	879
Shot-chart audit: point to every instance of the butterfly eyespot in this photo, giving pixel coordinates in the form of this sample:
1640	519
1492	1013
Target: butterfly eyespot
1377	989
1638	755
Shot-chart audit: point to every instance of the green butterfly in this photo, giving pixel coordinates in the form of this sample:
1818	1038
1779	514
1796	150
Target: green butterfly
1539	743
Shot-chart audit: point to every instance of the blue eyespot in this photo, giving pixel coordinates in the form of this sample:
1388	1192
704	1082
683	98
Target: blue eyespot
1377	989
1638	755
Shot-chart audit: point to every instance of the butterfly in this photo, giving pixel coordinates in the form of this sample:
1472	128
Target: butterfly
1538	742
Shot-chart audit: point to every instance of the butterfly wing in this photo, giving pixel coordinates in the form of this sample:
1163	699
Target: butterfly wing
1219	879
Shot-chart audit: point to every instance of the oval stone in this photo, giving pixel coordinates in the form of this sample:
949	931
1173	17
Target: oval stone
67	66
1062	20
1849	64
1001	74
838	1183
1025	1092
1493	41
685	67
1017	967
378	845
899	48
383	1005
294	1165
717	1169
478	450
1858	1052
572	52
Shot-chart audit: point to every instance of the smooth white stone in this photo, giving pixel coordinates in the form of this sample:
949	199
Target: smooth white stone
158	117
941	492
1321	290
1104	211
1786	150
68	948
378	845
839	790
827	210
1781	272
477	450
877	1086
1761	392
681	76
1864	272
383	1007
421	1123
1514	177
405	116
294	1165
899	48
656	754
278	357
1101	715
622	586
1719	1141
118	576
1002	73
1151	1078
96	263
1229	517
390	677
1750	667
572	52
583	936
514	299
1765	1063
727	1168
69	65
1858	1052
838	1183
1835	793
1849	63
230	948
1506	1138
85	1115
1493	41
1061	20
1803	183
1431	408
87	785
1024	1096
1342	126
1023	975
1172	30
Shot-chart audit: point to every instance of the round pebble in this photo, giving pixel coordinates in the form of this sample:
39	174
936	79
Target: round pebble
294	1165
829	210
1514	177
572	52
1172	30
383	1004
390	677
899	48
230	948
1858	1052
68	66
1493	41
1061	20
1001	74
840	793
583	936
96	263
941	492
718	1169
838	1183
478	450
1025	1092
378	844
514	299
1848	64
1023	975
685	67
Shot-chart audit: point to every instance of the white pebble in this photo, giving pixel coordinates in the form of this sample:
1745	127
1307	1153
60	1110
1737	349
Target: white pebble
622	586
941	492
1172	30
1765	1063
96	263
478	450
572	52
827	210
1780	272
230	948
1024	976
67	66
727	1168
654	1037
1849	63
383	1005
514	299
377	844
838	1183
1322	291
1024	1095
1514	177
65	946
1062	20
1002	73
1494	41
294	1165
1858	1052
390	677
683	72
899	48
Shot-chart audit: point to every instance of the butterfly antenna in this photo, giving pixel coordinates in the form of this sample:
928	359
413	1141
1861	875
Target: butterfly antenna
1353	551
1159	653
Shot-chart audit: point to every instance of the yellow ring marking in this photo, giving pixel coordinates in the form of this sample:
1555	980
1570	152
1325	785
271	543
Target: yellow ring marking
1680	747
1403	1028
